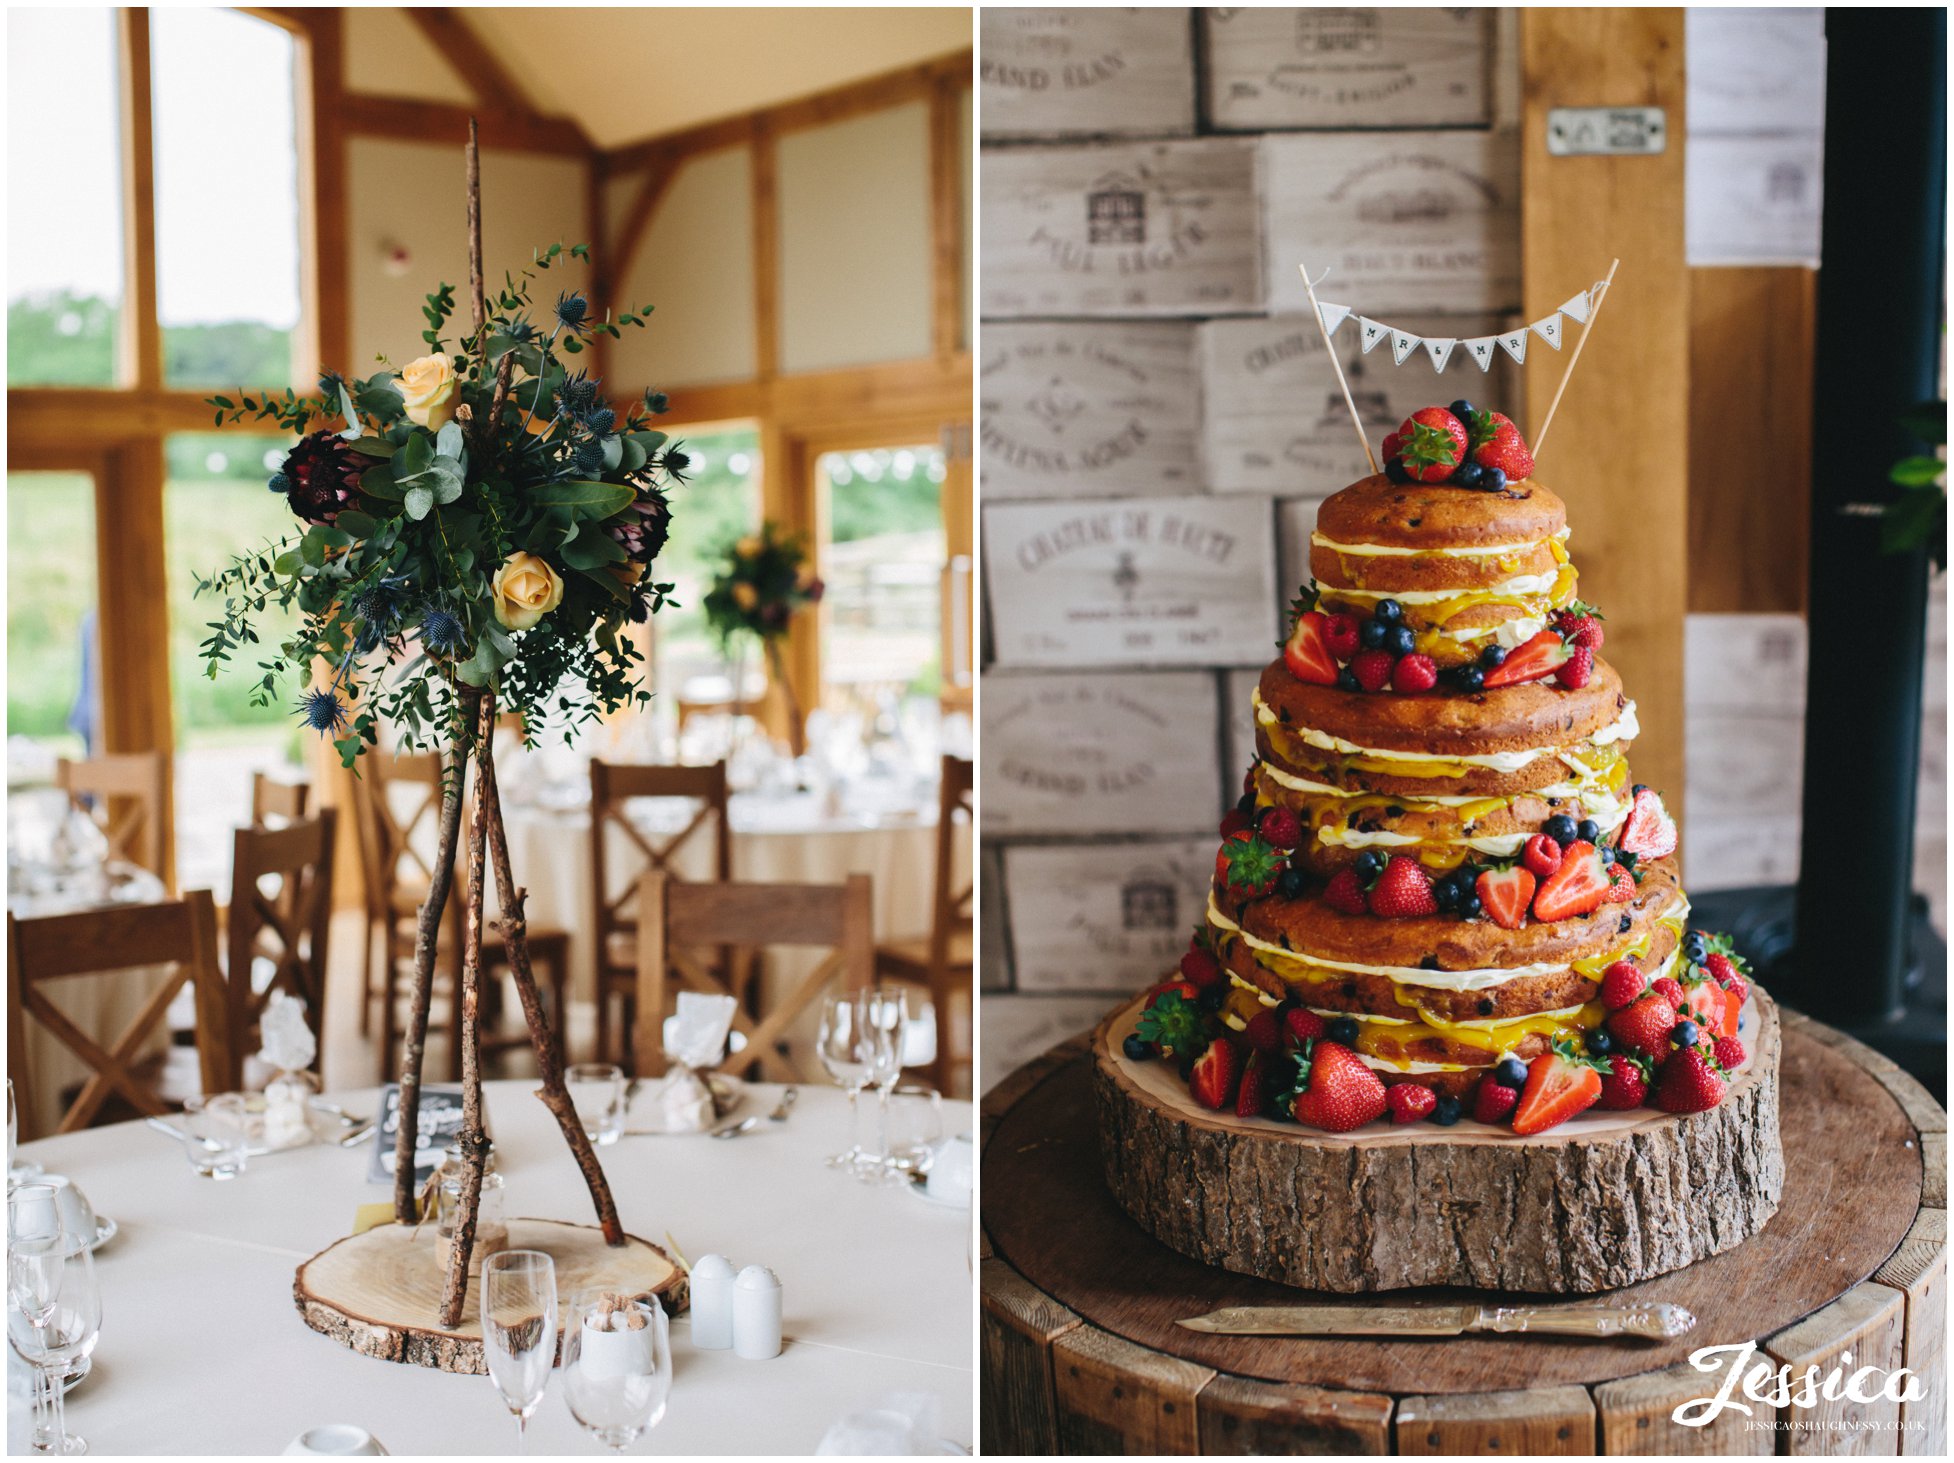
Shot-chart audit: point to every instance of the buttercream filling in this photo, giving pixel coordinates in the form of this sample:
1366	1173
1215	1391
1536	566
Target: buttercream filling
1523	584
1396	551
1624	726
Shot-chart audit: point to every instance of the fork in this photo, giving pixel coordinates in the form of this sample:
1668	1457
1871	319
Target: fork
780	1113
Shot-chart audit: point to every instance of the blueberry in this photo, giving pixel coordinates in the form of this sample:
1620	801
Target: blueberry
1371	633
1560	828
1343	1031
1389	611
1290	883
1399	640
1493	656
1462	409
1694	947
1471	908
1511	1072
1370	863
1494	481
1137	1050
1446	893
1625	858
1470	678
1246	804
1347	680
1599	1042
1396	472
1468	475
1607	857
1639	789
1683	1033
1448	1111
1589	831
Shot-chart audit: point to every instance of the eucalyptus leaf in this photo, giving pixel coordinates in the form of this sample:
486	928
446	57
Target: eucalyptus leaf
613	453
378	482
375	447
652	441
414	456
288	564
356	523
591	548
632	456
585	499
608	582
497	636
354	431
420	502
448	441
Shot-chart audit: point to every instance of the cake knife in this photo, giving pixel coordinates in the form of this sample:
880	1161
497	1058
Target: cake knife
1659	1321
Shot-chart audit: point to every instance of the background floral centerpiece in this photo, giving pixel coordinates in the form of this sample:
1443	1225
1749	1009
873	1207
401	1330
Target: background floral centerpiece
765	580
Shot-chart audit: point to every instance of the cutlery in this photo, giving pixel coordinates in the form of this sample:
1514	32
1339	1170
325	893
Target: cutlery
734	1130
355	1136
1658	1322
163	1125
333	1109
779	1114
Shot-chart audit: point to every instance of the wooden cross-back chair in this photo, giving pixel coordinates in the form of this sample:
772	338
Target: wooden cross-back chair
275	800
942	960
676	919
100	942
286	925
614	919
126	789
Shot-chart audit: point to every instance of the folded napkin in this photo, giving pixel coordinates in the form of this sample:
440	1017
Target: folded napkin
899	1424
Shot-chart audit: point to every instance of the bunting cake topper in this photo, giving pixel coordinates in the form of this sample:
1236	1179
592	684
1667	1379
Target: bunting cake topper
1481	350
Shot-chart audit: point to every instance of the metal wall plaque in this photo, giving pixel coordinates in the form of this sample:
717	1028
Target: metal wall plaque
1606	131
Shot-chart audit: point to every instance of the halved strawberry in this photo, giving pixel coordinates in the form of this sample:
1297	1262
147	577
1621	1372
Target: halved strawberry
1560	1083
1214	1074
1335	1091
1649	832
1252	1098
1506	894
1432	444
1703	1003
1541	656
1577	886
1307	651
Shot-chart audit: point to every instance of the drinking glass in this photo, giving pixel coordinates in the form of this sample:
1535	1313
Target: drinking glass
838	1044
54	1308
16	1172
217	1134
519	1329
884	1025
913	1127
597	1092
615	1378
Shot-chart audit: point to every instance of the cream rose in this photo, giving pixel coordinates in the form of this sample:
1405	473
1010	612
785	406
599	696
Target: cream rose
525	590
748	547
428	387
745	596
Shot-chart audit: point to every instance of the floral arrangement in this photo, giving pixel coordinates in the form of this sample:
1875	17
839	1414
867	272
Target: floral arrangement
766	579
480	518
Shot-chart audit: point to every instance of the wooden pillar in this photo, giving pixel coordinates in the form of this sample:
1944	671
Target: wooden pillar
1619	449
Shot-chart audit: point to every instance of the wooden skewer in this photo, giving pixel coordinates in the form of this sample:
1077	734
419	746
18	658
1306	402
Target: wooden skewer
1356	422
1594	309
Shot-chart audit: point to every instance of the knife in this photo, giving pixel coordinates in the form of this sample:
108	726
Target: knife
1659	1321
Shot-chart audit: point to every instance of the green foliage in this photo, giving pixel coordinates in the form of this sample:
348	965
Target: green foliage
763	581
1918	517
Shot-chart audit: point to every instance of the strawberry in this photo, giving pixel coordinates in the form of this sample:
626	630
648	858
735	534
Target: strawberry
1541	656
1335	1091
1409	1102
1669	989
1725	971
1200	968
1643	1025
1690	1082
1494	1101
1282	827
1560	1083
1307	651
1580	624
1414	674
1627	1084
1215	1074
1345	893
1496	442
1621	885
1235	821
1622	984
1579	667
1252	1098
1729	1052
1432	443
1403	890
1577	886
1340	634
1172	1022
1302	1026
1505	894
1248	866
1649	832
1541	854
1393	444
1703	1003
1264	1032
1372	668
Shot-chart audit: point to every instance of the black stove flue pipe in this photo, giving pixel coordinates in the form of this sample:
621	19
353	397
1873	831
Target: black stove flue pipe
1878	355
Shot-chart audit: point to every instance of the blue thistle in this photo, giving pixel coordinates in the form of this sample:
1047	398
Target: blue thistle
519	330
657	403
579	395
443	633
589	456
602	421
676	463
323	711
571	310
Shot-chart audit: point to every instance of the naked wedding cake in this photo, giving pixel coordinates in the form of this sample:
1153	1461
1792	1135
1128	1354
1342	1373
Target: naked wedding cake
1445	1020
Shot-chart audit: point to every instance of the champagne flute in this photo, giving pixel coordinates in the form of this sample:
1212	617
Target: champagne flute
54	1307
617	1376
838	1043
16	1172
884	1026
519	1329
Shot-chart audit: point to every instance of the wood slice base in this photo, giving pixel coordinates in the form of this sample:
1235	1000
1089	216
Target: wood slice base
379	1292
1606	1200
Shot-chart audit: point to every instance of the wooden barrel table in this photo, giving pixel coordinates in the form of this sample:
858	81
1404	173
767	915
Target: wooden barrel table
1082	1353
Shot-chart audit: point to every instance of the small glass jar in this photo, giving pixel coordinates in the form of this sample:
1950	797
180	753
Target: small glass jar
288	1108
491	1227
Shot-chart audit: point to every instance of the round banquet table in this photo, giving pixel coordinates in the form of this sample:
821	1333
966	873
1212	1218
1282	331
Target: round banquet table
203	1351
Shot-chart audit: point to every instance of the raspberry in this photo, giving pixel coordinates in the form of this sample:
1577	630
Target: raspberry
1494	1103
1580	665
1729	1053
1340	634
1542	855
1410	1103
1670	991
1622	985
1282	827
1415	673
1345	893
1200	967
1264	1032
1372	668
1235	821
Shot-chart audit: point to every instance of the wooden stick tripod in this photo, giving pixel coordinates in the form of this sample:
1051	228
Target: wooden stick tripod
488	843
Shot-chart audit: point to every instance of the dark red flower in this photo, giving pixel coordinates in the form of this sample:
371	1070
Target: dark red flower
320	476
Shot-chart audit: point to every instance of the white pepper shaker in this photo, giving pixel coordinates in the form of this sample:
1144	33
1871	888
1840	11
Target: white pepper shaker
712	1303
756	1313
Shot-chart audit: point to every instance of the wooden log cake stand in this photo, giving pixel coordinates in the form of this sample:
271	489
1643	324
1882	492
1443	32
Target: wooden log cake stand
1604	1201
379	1292
1081	1353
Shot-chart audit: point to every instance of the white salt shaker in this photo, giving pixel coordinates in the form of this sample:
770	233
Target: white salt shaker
712	1303
756	1313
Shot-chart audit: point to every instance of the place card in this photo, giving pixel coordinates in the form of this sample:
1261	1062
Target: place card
1076	72
438	1125
1110	917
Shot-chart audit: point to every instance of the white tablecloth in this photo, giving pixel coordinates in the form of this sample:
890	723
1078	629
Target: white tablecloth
202	1350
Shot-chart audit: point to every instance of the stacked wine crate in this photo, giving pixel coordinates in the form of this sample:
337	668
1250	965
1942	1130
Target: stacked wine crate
1159	419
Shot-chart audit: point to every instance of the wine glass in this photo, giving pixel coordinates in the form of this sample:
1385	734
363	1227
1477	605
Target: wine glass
884	1024
16	1172
519	1328
838	1044
617	1366
54	1307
